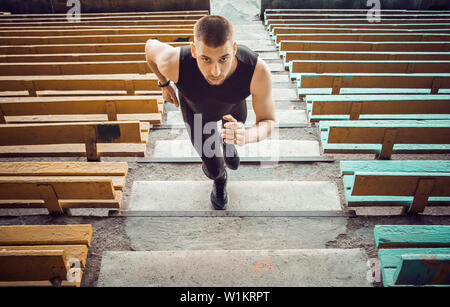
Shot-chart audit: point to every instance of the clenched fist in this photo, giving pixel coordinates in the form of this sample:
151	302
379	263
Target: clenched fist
234	131
169	95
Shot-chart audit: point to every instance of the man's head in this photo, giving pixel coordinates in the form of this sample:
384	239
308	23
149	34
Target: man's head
214	48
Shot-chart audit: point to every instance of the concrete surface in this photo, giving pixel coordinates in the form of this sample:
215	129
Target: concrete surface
275	149
242	196
235	268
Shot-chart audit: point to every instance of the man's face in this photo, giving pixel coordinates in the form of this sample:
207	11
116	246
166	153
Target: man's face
215	64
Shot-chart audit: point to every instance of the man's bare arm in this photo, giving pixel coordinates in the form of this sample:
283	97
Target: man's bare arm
163	59
263	106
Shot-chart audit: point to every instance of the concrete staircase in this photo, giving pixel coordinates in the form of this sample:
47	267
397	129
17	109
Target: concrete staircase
274	233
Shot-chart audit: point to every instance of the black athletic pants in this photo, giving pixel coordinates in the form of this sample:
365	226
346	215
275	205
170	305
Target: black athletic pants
213	163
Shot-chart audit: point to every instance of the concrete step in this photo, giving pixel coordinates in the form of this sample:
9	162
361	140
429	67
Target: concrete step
206	233
284	118
235	268
268	149
261	196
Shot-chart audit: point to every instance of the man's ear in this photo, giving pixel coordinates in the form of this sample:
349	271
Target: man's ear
234	47
193	50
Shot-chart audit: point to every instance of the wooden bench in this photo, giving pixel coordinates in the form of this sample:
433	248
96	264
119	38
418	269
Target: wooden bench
414	255
297	68
147	17
69	109
354	107
102	23
363	37
336	81
351	25
314	30
31	16
363	46
313	55
73	57
74	68
71	27
91	139
35	85
80	48
412	185
186	36
385	137
43	255
93	31
348	11
299	16
273	22
61	186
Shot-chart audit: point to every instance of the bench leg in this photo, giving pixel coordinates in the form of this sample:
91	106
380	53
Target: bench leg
2	116
337	84
90	138
423	192
388	144
111	110
355	110
50	198
435	86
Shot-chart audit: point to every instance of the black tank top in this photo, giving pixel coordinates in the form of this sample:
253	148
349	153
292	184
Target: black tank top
203	97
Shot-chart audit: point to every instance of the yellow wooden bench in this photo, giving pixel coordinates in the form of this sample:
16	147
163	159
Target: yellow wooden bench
61	186
156	17
95	31
103	23
70	109
125	14
91	139
80	48
66	83
43	255
186	36
74	68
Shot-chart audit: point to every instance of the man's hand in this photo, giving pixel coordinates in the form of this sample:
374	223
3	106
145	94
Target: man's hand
234	131
169	95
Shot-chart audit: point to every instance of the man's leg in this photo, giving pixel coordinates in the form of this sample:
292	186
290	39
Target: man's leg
213	164
229	150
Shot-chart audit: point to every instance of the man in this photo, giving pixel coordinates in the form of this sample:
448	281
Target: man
213	76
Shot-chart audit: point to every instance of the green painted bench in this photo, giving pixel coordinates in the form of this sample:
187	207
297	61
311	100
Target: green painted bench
414	255
376	107
297	67
332	83
278	22
315	45
394	26
385	137
364	37
343	55
411	184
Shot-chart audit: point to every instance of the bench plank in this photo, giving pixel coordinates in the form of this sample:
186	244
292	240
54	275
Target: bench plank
422	269
46	235
72	251
63	168
413	236
33	265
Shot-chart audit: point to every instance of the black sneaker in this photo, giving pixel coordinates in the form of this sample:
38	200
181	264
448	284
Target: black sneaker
233	161
219	196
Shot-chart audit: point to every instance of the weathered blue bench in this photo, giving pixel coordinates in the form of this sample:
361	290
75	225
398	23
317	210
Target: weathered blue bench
332	83
288	56
411	184
385	137
297	67
413	255
372	107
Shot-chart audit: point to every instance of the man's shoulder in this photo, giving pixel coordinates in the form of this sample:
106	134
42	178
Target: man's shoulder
246	55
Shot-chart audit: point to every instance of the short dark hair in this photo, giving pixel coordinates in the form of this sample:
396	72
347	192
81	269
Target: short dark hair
213	30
